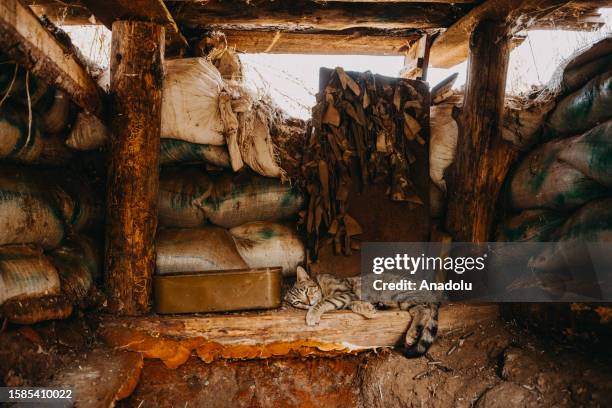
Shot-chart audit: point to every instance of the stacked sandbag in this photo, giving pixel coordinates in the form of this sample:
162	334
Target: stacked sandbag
197	208
189	198
37	285
42	206
266	244
197	250
205	118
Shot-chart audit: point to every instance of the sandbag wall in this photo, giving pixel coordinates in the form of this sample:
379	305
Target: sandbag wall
48	202
222	204
221	193
561	189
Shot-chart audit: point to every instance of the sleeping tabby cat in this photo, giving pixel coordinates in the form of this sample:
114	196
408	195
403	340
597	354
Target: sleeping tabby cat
326	292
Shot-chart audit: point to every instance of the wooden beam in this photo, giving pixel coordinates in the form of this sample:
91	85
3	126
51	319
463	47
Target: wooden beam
272	333
302	14
136	66
414	59
451	47
344	42
24	39
482	157
404	1
109	11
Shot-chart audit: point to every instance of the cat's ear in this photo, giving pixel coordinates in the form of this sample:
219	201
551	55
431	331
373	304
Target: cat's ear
302	275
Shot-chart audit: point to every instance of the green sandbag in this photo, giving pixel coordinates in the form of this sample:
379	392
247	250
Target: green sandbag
591	153
543	181
592	223
178	189
189	198
175	151
578	76
530	226
583	109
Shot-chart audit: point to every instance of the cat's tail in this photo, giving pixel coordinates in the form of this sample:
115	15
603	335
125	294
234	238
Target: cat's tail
423	329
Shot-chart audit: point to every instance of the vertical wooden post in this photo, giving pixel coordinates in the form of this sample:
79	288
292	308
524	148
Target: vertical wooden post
482	157
137	52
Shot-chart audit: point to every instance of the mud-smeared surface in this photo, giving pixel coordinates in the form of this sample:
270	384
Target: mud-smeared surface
488	366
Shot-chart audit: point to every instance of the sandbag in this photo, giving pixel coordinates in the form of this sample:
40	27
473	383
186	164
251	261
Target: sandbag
197	250
37	95
582	109
543	181
242	198
443	142
590	224
266	244
79	263
20	140
591	153
530	226
178	151
190	102
57	117
26	272
178	190
256	146
88	133
587	64
28	218
188	198
39	206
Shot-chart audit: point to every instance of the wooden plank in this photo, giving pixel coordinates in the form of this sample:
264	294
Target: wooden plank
308	14
109	11
414	59
483	157
344	42
136	66
101	379
451	47
24	39
272	333
404	1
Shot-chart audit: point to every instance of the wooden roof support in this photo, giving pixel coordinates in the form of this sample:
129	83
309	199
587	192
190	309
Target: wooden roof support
272	333
451	47
24	39
108	11
303	14
483	157
136	66
416	59
347	42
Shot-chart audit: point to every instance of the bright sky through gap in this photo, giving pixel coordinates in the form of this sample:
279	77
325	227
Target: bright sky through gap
292	80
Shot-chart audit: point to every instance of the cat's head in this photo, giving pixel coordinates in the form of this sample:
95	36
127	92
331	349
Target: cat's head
305	293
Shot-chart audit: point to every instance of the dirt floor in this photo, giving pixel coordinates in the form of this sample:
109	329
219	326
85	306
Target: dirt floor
497	365
493	366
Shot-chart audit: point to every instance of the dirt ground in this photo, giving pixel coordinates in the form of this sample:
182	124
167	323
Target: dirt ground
496	365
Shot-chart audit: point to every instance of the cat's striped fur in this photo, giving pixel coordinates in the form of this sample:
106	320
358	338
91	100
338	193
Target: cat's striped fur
326	292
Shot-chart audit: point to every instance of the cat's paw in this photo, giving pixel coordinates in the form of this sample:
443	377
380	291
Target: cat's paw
312	317
364	309
423	329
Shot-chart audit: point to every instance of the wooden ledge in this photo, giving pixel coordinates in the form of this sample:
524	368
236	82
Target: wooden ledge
272	333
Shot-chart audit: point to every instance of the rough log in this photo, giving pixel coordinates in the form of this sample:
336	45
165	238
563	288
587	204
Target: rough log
309	14
101	379
416	59
482	157
136	65
24	39
109	11
451	47
349	42
274	333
